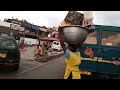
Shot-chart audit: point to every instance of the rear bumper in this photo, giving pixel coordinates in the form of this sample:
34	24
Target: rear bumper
9	62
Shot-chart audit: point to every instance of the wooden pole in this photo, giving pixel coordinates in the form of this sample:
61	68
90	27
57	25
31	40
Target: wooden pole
38	37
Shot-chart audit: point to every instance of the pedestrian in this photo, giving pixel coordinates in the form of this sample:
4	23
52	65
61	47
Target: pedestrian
45	45
73	58
38	51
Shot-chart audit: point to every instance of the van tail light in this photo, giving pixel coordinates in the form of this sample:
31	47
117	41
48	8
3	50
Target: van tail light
18	54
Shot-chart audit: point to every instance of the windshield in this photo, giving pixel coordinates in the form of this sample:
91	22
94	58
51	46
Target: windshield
7	44
56	43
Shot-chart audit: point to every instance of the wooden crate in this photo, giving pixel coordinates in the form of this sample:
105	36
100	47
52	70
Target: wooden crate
74	17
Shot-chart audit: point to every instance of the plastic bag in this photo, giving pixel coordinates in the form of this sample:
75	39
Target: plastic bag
88	15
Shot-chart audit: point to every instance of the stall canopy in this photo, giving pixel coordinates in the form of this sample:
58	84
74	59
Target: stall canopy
49	39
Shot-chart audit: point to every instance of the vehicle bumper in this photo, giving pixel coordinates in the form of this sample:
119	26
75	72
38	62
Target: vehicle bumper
9	62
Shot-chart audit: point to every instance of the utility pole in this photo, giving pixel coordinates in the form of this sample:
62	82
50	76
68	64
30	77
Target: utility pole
11	32
38	37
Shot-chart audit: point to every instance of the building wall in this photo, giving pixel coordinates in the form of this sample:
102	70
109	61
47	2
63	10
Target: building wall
5	30
5	24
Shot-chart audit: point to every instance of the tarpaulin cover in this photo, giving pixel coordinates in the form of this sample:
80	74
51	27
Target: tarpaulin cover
34	27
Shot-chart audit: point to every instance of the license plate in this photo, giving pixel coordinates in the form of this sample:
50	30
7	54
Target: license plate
2	55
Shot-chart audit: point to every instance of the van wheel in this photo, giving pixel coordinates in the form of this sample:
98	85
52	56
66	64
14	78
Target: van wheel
16	67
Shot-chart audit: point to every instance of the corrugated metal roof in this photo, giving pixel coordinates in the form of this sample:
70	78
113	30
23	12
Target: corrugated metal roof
4	29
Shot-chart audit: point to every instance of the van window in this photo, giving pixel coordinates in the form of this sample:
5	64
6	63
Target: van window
110	38
56	43
91	38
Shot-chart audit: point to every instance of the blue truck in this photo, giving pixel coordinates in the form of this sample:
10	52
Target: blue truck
100	49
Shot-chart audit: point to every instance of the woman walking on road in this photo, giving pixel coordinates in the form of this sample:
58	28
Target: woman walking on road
73	59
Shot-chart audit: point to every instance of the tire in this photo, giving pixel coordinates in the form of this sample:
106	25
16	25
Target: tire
16	67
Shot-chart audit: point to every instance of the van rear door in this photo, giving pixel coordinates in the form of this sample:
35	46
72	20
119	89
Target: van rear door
89	52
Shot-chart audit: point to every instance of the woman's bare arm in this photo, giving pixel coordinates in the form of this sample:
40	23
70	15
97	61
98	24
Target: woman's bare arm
61	39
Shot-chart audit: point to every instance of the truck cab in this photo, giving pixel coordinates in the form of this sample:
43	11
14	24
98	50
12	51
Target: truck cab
99	50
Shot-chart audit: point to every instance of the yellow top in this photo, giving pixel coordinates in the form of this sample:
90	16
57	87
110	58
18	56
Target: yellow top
72	65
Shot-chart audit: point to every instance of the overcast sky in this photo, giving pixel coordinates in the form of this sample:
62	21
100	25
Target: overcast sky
53	18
